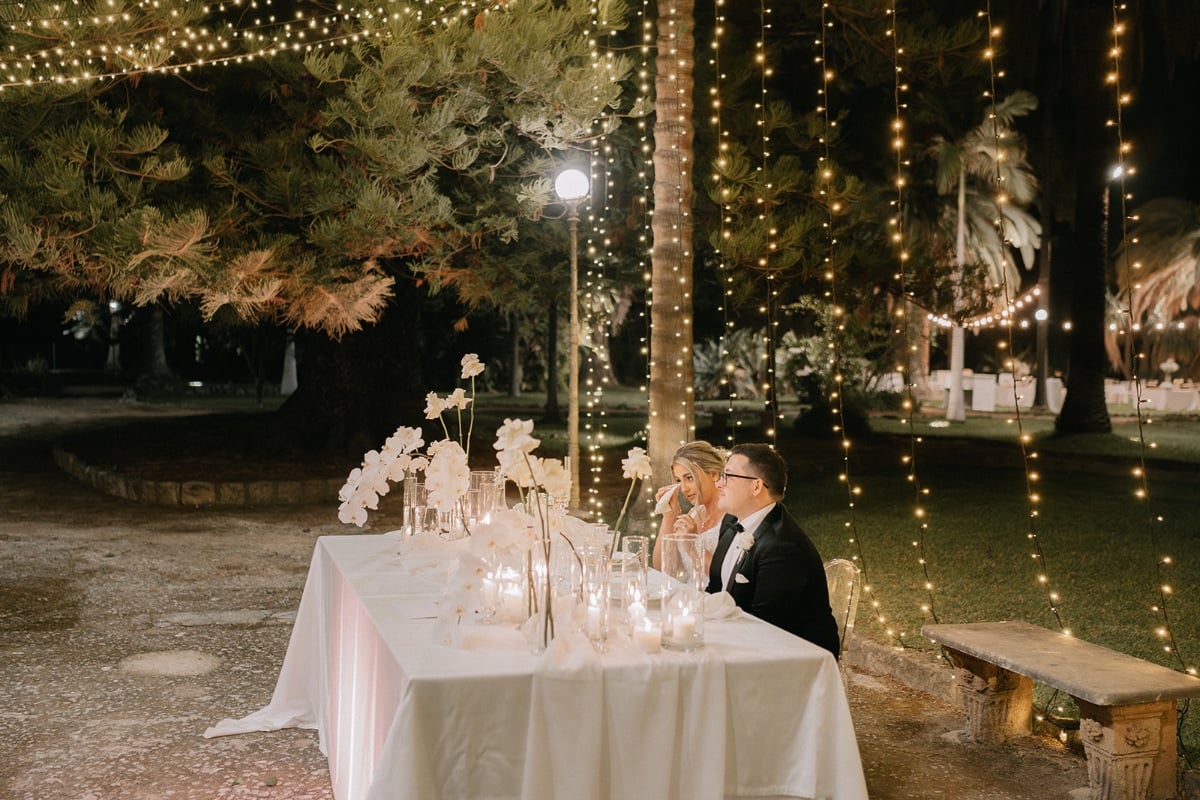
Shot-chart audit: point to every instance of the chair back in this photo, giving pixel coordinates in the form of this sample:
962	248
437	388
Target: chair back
842	577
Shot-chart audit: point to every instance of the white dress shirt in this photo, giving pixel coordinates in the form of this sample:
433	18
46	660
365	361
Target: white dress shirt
733	555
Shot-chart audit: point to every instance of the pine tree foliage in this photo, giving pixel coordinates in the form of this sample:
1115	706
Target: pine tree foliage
438	139
299	189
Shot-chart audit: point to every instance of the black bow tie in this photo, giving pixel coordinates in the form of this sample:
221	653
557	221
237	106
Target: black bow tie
730	523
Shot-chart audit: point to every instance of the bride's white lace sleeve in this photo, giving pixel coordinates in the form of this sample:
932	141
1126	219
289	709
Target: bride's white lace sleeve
708	538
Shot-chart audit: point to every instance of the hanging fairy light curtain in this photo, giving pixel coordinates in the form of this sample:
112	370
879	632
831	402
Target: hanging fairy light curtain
643	197
835	325
766	205
598	255
898	237
722	195
1163	562
1025	440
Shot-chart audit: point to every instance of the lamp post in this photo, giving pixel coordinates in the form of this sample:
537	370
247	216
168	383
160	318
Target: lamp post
571	186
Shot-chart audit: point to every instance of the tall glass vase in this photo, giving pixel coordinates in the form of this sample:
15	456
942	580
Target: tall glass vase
505	588
634	565
683	610
595	599
541	623
482	498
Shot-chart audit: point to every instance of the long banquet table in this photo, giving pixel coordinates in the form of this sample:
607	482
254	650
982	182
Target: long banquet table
755	712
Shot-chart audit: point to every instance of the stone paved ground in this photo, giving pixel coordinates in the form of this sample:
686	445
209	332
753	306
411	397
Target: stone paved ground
92	587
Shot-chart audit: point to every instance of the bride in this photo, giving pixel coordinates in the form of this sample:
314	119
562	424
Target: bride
696	466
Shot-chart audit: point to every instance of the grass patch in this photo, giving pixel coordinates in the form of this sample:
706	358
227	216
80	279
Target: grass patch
1173	438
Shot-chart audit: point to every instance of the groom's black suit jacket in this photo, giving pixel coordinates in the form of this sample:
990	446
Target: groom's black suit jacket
782	579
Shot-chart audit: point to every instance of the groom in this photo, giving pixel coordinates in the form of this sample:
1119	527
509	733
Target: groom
763	558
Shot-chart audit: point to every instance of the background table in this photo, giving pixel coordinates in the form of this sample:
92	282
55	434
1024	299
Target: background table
756	712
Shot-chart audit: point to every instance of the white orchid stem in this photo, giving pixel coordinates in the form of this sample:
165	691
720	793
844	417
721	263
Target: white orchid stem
616	537
544	515
471	423
462	514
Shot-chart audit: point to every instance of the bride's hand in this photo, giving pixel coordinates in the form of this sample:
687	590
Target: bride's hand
684	523
673	505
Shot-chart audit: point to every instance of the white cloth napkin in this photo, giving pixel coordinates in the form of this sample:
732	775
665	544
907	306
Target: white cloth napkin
720	606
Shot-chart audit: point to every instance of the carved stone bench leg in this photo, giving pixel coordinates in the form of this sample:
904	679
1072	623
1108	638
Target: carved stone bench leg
999	703
1130	750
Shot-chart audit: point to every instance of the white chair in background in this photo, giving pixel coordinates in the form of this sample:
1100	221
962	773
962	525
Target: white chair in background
843	579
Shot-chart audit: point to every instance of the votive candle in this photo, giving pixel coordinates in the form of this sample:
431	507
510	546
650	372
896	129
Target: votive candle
647	636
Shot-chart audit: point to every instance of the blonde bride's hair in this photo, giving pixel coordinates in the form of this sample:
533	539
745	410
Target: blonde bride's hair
697	457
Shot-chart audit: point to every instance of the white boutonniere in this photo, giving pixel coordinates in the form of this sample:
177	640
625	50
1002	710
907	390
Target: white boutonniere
743	541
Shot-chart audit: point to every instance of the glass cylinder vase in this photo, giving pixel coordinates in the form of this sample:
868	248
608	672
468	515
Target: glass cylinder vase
683	608
633	561
505	588
540	623
594	602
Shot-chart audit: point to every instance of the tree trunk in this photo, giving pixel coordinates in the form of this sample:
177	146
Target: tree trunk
921	328
598	358
955	405
354	393
157	366
1085	410
672	382
112	362
289	381
514	355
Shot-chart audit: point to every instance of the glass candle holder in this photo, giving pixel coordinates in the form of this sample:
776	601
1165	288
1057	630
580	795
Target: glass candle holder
596	594
682	613
414	511
504	588
635	576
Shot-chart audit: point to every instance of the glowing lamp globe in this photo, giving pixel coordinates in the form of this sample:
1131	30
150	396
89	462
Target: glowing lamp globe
571	185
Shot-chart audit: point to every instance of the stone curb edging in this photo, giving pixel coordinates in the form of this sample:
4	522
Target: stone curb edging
232	494
917	670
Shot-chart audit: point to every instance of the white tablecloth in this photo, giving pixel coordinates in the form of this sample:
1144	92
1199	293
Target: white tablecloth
756	712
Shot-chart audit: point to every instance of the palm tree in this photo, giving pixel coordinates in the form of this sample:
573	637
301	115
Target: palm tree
671	371
989	158
1164	241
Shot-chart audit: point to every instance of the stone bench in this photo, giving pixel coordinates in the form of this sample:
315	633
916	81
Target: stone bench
1126	704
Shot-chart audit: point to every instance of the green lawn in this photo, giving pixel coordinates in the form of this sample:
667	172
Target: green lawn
1173	437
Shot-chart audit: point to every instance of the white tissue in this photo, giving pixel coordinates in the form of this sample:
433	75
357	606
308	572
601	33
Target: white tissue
661	506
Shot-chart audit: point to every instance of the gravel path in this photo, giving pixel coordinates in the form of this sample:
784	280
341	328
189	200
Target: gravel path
126	630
